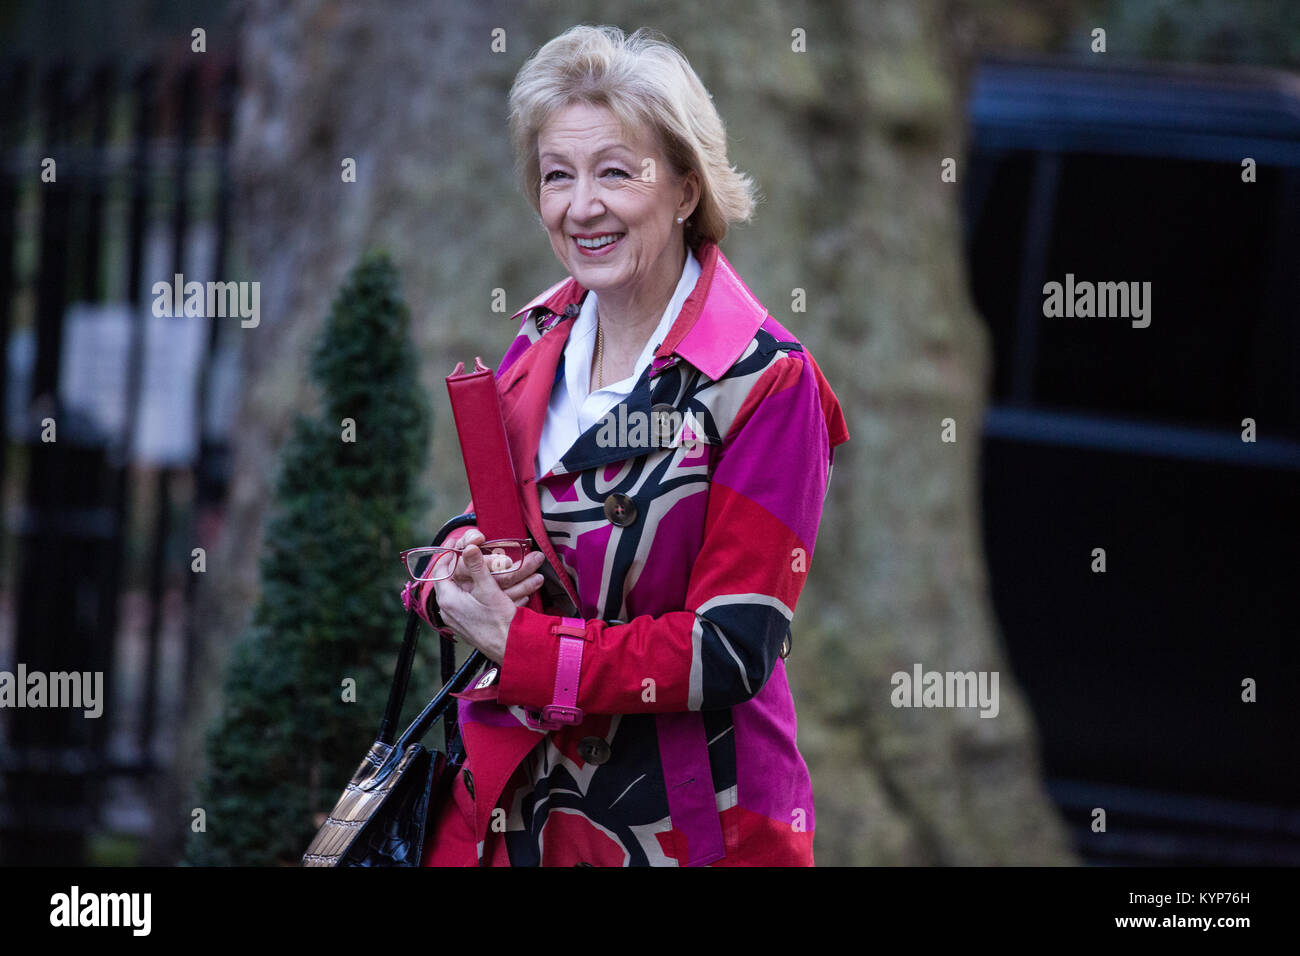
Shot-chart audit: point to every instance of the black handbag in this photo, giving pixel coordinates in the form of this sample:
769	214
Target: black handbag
381	817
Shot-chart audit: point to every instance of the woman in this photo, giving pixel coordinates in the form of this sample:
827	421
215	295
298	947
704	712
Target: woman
673	444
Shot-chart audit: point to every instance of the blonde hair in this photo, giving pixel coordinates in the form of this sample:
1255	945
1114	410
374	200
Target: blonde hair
648	84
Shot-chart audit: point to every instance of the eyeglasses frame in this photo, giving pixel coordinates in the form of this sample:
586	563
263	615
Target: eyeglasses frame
523	543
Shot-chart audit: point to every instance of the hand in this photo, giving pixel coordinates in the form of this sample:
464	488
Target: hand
465	581
477	605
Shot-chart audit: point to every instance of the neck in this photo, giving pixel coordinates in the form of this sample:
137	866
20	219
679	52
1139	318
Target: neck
626	320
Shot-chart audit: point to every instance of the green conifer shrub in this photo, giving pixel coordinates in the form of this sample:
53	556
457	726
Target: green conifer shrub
286	740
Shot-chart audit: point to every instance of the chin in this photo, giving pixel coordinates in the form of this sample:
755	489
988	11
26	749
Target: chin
595	277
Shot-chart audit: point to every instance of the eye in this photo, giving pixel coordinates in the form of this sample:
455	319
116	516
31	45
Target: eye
616	169
553	173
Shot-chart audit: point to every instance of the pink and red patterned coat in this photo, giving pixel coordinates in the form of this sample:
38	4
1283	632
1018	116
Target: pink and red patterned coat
684	556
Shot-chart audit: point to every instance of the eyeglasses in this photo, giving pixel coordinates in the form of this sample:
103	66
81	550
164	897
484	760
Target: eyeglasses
437	564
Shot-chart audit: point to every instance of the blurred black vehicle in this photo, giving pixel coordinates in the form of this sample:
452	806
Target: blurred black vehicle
1103	434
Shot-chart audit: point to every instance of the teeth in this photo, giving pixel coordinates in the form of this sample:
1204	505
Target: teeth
600	241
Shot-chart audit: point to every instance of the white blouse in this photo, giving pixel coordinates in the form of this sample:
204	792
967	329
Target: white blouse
572	410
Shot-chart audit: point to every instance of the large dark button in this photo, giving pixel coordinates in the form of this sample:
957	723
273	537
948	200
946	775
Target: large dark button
620	510
469	782
593	750
662	418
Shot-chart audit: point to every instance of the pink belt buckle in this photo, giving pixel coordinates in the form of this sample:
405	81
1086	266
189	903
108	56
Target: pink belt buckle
561	715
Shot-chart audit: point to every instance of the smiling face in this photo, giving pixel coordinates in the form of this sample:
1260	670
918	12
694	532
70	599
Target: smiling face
611	216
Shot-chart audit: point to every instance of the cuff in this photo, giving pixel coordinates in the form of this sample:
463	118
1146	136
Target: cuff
418	596
412	595
532	654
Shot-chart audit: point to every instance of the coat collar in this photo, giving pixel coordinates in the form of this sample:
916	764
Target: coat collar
715	325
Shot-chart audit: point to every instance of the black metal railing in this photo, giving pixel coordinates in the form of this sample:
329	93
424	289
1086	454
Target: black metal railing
137	155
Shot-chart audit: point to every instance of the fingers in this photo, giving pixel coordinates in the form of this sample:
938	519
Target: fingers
461	576
475	562
478	568
531	562
497	562
442	591
441	564
519	593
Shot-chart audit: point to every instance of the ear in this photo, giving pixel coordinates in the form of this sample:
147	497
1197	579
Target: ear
691	191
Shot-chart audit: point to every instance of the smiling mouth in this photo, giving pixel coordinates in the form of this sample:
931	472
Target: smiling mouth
597	243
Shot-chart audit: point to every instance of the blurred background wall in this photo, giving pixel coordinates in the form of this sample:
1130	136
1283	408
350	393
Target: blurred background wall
923	304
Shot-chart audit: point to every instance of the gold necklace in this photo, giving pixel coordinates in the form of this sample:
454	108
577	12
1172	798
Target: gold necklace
600	359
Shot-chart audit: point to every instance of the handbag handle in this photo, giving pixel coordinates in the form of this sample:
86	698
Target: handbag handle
405	658
434	709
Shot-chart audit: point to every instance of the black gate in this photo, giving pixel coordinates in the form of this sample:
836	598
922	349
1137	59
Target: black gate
106	178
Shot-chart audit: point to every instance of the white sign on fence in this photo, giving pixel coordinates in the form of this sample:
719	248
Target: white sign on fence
93	377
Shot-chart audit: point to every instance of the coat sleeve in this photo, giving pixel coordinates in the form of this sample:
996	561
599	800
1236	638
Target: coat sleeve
764	508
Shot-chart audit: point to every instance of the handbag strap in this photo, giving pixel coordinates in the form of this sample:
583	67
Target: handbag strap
405	657
441	700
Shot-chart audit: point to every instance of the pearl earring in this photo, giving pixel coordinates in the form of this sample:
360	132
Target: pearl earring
679	220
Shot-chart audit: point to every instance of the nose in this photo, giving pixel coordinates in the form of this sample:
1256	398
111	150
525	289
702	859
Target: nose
586	204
